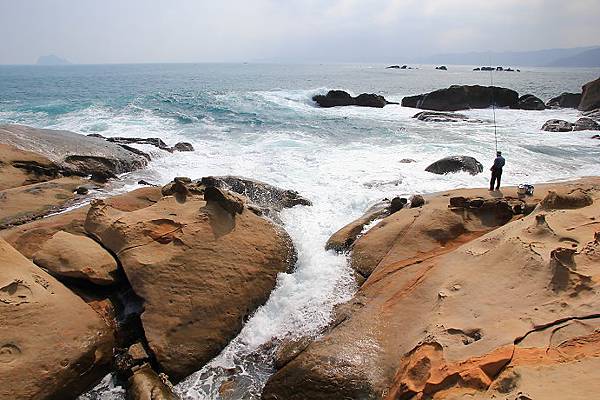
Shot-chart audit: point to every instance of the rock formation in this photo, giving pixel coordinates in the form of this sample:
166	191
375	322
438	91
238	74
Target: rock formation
462	97
590	96
335	98
565	100
530	102
52	344
508	311
455	164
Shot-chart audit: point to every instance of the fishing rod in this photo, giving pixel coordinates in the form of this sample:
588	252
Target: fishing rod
494	108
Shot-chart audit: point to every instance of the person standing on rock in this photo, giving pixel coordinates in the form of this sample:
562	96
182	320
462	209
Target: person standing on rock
497	170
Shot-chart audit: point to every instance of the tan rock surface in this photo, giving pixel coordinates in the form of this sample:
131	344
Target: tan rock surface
25	203
76	256
200	269
52	344
431	325
29	238
20	168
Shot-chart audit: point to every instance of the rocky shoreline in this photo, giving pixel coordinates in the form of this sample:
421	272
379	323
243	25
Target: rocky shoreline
461	293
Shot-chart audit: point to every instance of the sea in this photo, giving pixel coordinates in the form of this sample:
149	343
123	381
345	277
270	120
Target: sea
259	121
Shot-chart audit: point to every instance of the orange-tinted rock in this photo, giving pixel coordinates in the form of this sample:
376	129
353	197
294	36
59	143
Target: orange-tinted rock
52	344
200	269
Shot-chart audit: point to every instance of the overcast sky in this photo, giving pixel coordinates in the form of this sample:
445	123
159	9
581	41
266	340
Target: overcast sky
131	31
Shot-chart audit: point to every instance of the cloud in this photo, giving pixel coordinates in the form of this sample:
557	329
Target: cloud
293	30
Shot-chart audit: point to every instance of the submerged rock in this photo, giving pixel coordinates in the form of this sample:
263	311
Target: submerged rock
590	96
530	102
462	97
565	100
52	344
430	116
455	164
335	98
183	146
200	269
146	384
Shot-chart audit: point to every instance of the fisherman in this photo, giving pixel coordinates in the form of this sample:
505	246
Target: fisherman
497	171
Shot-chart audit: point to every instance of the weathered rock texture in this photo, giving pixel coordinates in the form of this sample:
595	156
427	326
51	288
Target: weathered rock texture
508	313
20	168
200	268
462	97
590	96
25	203
76	256
52	344
75	154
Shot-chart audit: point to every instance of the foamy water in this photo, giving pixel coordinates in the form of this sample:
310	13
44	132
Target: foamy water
343	159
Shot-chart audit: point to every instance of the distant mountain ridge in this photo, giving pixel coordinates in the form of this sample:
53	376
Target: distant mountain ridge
52	60
572	57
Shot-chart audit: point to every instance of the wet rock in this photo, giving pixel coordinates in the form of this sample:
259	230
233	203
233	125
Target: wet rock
393	67
564	100
146	384
201	270
75	256
335	98
429	116
442	68
417	201
557	125
263	195
455	164
530	102
397	204
590	96
593	114
586	124
289	349
344	238
463	97
407	161
52	344
75	154
183	146
146	183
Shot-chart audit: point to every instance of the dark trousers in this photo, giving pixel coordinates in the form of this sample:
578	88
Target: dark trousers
496	177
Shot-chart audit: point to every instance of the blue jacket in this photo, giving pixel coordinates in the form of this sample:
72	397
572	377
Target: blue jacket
499	163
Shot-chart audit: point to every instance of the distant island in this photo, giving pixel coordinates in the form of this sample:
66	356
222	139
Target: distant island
572	57
52	60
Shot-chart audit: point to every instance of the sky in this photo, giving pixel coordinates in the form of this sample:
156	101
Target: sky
143	31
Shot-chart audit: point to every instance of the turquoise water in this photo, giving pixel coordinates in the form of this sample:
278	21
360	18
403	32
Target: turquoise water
259	121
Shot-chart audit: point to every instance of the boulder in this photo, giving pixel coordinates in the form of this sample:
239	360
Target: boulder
590	96
429	116
264	195
30	237
75	154
530	102
74	256
495	316
462	97
27	203
20	168
335	98
455	164
146	384
183	146
442	68
200	269
557	125
417	201
564	100
586	124
52	344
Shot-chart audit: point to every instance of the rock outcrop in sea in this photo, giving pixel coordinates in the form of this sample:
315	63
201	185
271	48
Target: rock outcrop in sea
336	98
462	97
